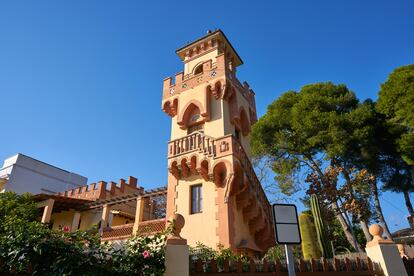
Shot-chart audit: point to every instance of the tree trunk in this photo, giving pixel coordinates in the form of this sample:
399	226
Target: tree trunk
346	227
408	203
379	210
364	227
345	215
412	174
410	208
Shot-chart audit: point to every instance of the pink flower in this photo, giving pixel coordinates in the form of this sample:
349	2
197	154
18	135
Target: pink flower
146	254
66	228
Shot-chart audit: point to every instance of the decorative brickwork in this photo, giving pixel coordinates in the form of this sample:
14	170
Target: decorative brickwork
356	267
122	232
119	232
99	191
235	211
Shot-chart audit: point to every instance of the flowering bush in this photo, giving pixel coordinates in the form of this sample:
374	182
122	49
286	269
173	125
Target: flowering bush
141	255
28	246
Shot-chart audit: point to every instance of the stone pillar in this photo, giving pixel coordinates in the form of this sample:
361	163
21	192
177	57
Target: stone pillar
171	195
401	249
139	214
105	217
111	218
384	253
75	221
47	211
151	205
176	252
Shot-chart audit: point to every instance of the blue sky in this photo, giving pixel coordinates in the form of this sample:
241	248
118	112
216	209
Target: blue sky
80	81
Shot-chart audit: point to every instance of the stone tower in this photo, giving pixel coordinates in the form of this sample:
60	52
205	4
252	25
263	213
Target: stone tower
211	181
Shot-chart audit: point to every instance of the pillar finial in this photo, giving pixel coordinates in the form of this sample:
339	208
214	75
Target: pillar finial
177	221
376	231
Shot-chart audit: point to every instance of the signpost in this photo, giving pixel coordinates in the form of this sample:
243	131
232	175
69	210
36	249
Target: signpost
285	217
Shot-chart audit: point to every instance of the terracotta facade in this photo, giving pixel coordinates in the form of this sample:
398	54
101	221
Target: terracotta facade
209	149
215	153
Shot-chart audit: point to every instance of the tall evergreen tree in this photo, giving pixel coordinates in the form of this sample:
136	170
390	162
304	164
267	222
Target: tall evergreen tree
304	131
396	102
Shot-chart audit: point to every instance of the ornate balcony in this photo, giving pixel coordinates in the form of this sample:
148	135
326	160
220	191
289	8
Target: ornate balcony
203	155
192	143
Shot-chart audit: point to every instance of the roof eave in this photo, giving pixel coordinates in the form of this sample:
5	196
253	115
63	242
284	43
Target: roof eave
181	51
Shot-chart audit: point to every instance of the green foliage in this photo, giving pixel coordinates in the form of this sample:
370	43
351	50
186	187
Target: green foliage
20	207
323	125
202	252
28	246
275	253
310	244
223	254
206	254
396	101
142	255
325	247
278	253
302	130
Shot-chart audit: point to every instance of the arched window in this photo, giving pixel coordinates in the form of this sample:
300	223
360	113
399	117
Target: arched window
198	69
193	115
194	120
244	122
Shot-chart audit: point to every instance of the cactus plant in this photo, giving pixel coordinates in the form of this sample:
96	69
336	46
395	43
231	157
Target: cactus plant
323	240
310	245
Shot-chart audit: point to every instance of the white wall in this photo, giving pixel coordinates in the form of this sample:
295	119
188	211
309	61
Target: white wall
26	174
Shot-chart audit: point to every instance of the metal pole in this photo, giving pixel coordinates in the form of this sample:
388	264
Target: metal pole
290	260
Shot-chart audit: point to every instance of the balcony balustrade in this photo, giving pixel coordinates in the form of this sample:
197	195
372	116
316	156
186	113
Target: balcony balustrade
193	142
216	148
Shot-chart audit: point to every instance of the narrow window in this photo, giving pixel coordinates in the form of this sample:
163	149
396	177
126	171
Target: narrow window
196	199
237	134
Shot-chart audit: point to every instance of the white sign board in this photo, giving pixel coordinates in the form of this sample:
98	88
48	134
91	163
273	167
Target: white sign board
285	217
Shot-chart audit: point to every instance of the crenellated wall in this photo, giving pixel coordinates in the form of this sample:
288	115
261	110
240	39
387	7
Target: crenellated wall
102	190
212	113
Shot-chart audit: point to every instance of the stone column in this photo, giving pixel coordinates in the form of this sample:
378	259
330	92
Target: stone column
151	211
75	221
105	217
47	211
176	252
384	253
139	214
401	249
171	194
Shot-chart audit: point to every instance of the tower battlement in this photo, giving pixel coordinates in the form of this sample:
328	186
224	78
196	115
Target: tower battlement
99	190
211	180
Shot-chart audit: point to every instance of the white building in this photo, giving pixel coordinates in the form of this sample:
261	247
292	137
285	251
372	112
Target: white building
21	173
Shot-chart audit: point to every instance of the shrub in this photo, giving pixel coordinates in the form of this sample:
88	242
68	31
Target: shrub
206	254
141	256
28	246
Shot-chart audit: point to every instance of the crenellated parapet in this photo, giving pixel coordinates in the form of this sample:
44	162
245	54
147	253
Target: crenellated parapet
102	190
240	99
212	114
217	79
